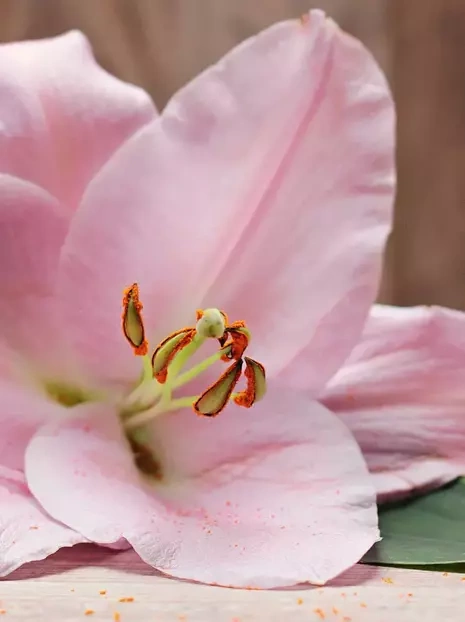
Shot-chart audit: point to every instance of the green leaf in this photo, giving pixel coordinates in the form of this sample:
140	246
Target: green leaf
425	531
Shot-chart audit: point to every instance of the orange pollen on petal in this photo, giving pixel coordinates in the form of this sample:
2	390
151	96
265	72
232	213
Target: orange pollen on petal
161	374
132	323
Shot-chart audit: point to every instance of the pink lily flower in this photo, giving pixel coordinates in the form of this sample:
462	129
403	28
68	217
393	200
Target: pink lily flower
401	395
262	194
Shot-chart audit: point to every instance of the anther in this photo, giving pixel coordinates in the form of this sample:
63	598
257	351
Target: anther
167	350
215	398
256	384
239	337
133	326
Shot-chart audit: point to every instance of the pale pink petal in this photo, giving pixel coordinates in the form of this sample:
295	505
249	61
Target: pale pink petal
22	411
401	394
268	497
62	116
32	231
27	533
265	187
10	363
307	267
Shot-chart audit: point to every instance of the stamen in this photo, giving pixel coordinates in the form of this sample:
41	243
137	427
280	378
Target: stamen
133	326
239	336
201	367
162	372
256	384
167	350
215	398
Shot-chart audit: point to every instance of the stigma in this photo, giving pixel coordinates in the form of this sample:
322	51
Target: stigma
164	370
211	323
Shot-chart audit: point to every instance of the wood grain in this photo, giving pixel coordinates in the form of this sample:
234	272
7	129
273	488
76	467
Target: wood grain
161	44
64	587
427	254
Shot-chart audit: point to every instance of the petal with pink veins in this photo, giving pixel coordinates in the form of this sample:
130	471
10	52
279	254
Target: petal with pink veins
264	188
401	393
27	533
63	116
269	497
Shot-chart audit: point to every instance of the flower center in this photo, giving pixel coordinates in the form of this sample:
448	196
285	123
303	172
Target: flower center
65	394
163	372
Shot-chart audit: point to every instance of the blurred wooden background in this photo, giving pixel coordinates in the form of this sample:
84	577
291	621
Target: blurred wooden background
160	44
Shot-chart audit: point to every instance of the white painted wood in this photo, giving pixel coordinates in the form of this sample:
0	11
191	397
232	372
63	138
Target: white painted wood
62	588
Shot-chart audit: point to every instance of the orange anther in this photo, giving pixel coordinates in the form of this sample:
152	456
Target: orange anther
239	338
133	326
215	398
167	350
255	388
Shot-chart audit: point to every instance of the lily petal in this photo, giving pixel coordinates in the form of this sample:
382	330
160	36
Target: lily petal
268	497
307	267
27	533
401	393
32	231
23	411
282	153
62	115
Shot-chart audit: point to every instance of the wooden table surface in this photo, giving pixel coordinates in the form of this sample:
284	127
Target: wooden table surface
89	583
